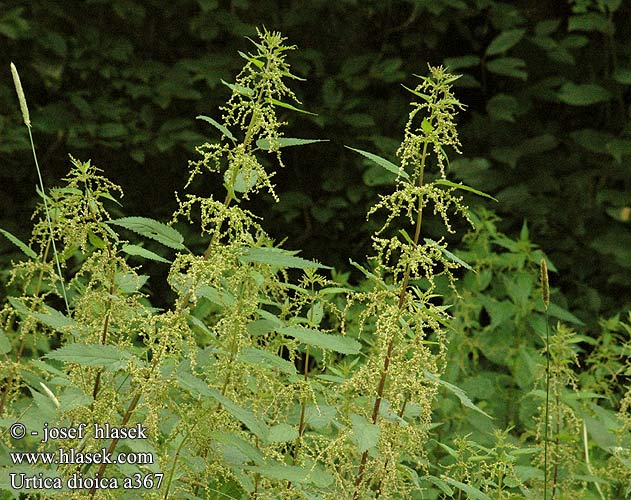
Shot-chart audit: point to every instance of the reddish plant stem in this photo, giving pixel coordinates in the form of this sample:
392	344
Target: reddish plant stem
386	362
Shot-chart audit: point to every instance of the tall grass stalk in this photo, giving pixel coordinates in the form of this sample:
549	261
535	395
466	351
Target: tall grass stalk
27	122
545	285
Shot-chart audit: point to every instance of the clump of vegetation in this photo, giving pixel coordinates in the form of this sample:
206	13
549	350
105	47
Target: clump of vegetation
272	377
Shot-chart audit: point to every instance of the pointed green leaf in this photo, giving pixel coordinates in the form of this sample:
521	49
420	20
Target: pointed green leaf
239	443
442	485
316	338
560	313
253	60
245	91
382	162
427	126
18	243
277	257
450	255
19	306
137	251
473	493
153	229
461	62
218	126
110	357
445	182
366	433
243	415
283	142
623	75
197	386
289	106
258	357
425	97
194	385
282	433
244	181
584	94
619	148
5	343
281	472
460	394
130	282
219	297
508	66
504	41
109	197
55	319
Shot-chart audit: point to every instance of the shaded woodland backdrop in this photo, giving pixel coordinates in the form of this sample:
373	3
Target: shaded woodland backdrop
546	130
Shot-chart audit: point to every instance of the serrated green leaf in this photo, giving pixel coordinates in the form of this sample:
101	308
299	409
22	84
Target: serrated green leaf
450	255
137	251
289	106
240	89
502	107
425	97
153	229
619	148
316	338
109	197
243	415
508	66
218	126
295	474
219	297
197	386
239	443
473	493
583	94
55	319
504	41
277	257
130	282
591	21
382	162
623	76
467	61
5	343
108	356
445	182
334	290
72	398
427	126
253	60
258	357
244	181
284	142
366	434
282	433
560	313
460	394
18	243
19	306
319	416
190	382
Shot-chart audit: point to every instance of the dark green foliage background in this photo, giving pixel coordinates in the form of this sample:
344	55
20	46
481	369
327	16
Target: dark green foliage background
546	130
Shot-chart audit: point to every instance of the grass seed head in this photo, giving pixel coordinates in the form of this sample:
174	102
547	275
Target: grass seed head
21	98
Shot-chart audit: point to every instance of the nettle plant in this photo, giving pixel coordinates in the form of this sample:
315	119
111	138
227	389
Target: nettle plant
269	377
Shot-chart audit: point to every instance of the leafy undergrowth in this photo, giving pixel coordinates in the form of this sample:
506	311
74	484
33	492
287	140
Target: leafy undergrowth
272	377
